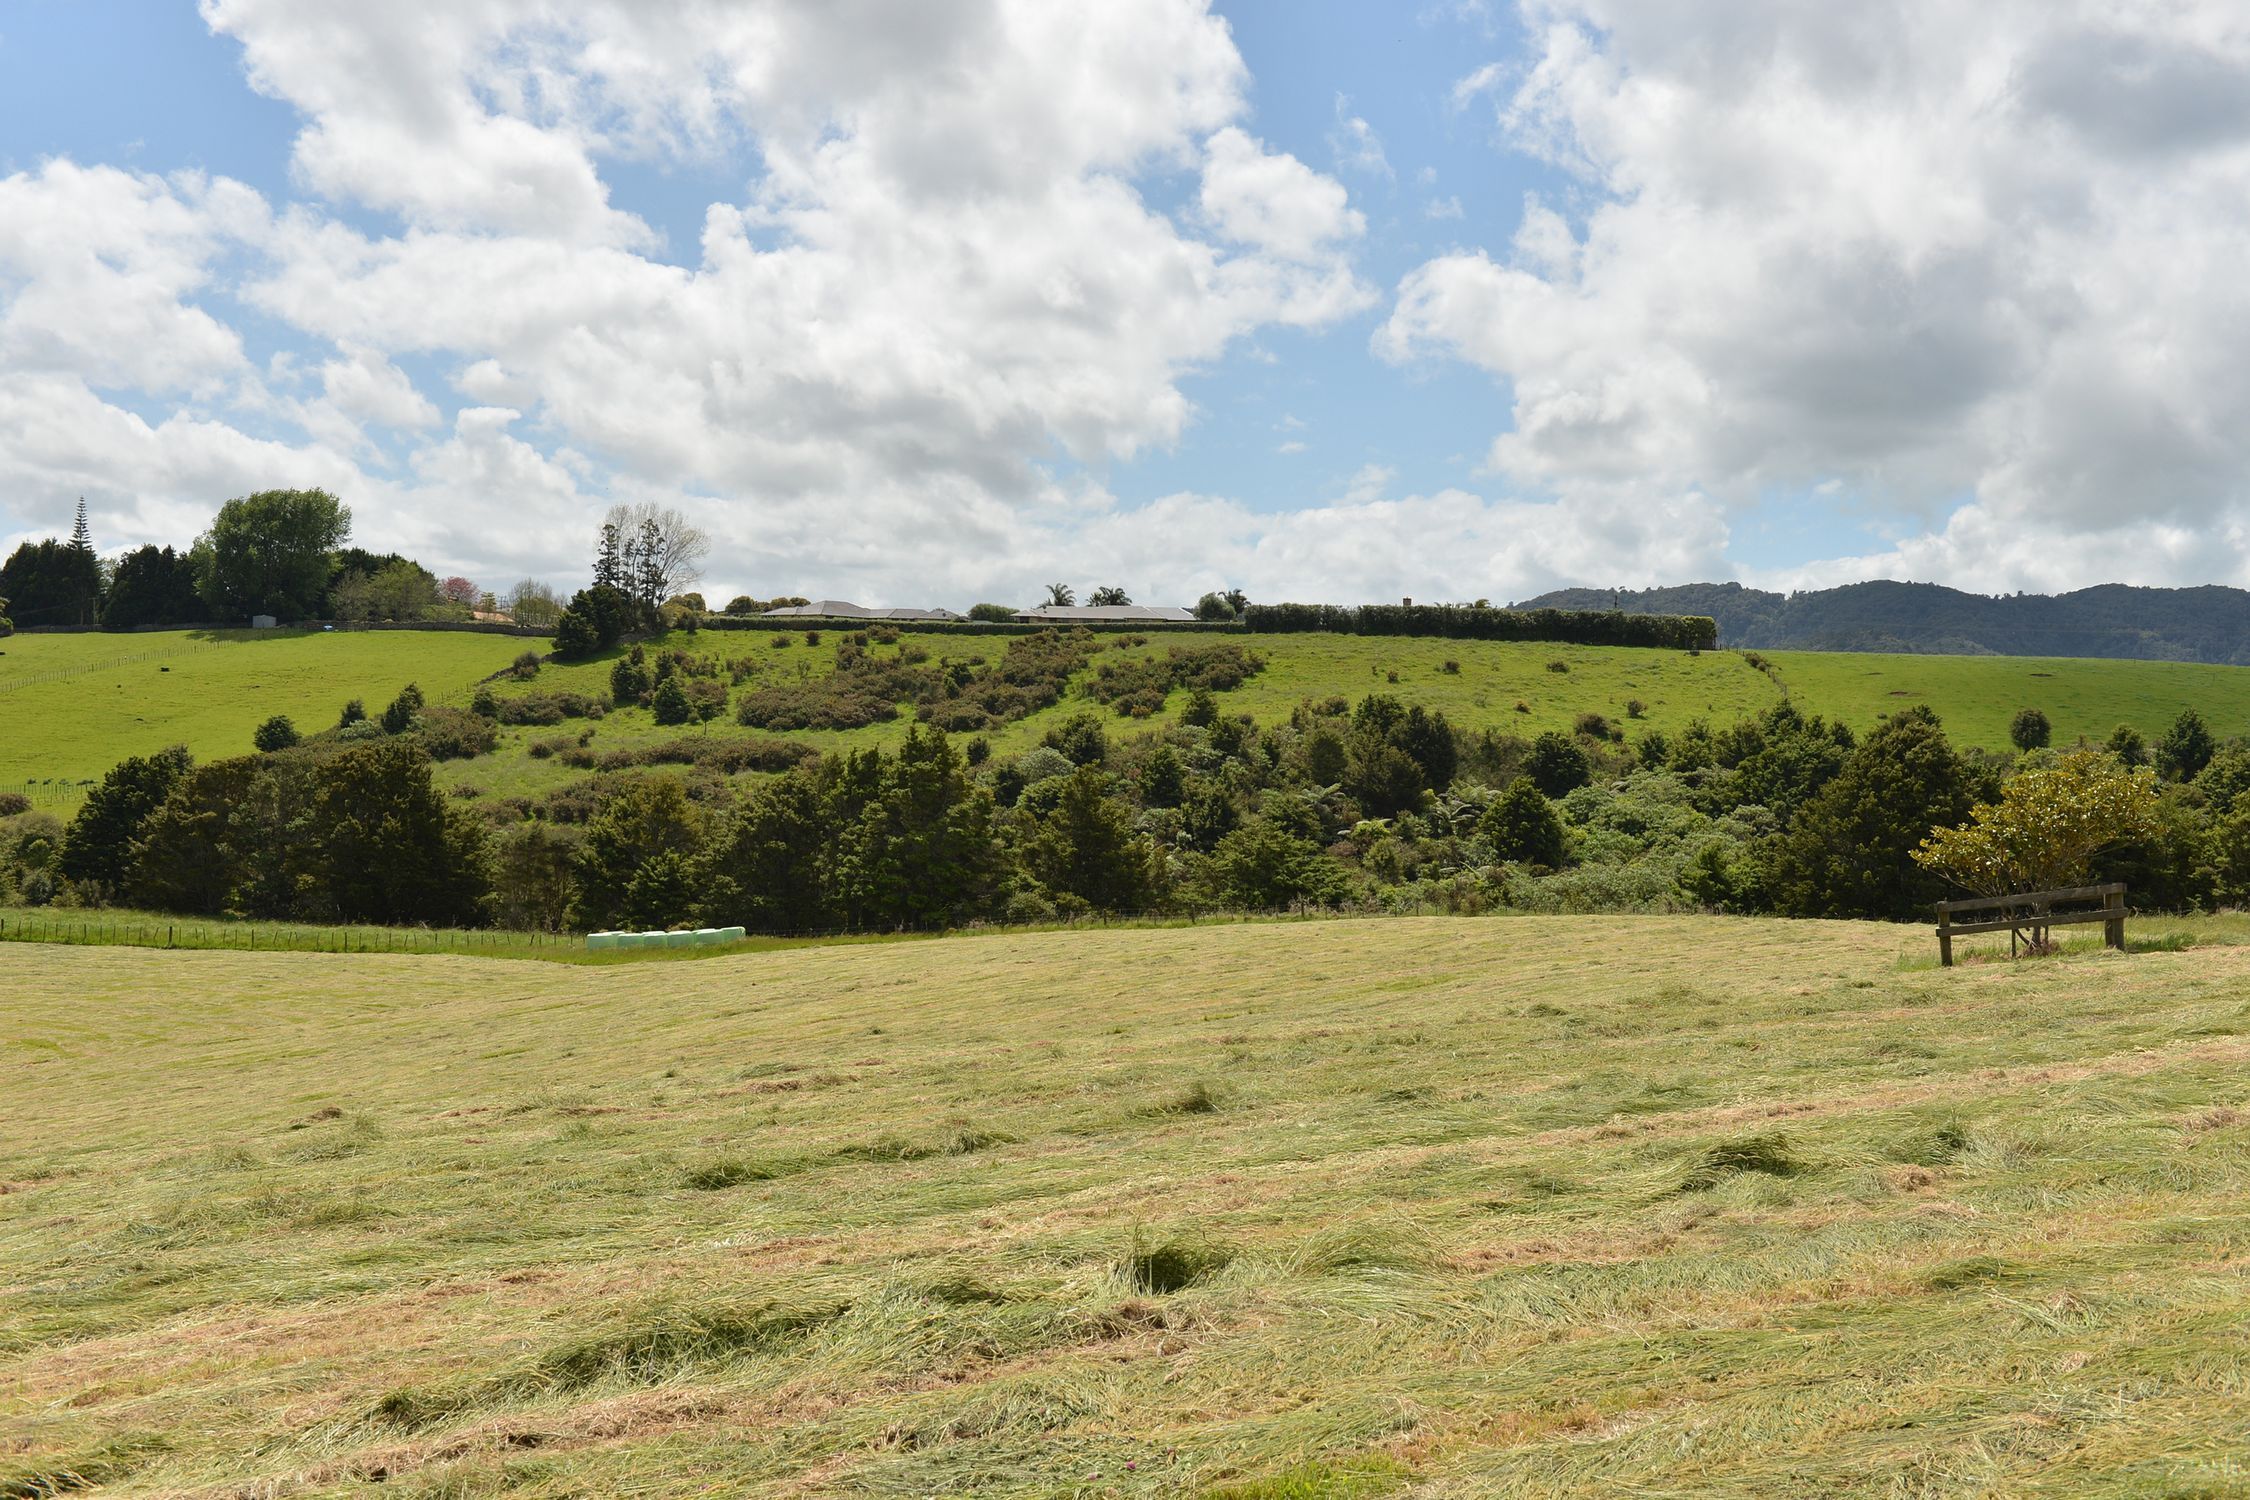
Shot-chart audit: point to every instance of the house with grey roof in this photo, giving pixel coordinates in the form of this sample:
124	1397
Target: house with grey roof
1106	614
844	609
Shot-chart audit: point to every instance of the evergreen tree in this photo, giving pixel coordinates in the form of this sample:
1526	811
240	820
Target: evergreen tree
81	538
1521	825
2186	748
1427	739
52	583
1262	866
400	716
191	855
920	849
98	848
1086	848
609	558
764	869
152	586
645	819
384	844
1850	851
1557	765
669	703
649	578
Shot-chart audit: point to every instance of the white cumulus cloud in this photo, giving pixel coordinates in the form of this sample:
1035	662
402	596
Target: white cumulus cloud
1982	262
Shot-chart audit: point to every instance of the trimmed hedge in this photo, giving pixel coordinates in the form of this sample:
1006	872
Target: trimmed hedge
1576	627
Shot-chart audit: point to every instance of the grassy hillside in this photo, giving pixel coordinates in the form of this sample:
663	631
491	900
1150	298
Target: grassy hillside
1976	696
70	706
1549	1207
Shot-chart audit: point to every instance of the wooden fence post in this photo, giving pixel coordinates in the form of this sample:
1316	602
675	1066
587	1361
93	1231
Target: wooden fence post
2113	930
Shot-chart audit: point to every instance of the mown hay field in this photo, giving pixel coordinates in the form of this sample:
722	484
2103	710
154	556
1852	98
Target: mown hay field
1417	1207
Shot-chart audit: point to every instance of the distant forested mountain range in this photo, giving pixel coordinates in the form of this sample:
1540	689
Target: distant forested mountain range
2209	624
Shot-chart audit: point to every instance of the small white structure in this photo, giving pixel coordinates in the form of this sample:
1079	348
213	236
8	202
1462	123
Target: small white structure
701	937
263	622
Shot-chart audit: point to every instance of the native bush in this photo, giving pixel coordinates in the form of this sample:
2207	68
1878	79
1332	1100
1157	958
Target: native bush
451	734
399	717
276	733
1556	764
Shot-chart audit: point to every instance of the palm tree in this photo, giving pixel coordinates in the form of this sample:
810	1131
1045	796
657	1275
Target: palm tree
1061	596
1111	594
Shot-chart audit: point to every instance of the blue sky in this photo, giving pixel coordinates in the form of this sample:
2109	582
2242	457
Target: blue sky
1418	399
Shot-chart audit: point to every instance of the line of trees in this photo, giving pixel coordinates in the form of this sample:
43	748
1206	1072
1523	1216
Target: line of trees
1379	805
284	553
1484	623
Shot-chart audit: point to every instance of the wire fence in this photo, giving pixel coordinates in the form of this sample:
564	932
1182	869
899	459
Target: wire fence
9	684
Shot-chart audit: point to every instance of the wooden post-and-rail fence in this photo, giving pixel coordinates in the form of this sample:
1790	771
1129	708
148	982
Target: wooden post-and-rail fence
2032	913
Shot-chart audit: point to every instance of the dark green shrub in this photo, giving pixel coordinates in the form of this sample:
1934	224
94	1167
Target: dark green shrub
2029	730
1556	765
400	716
354	712
2185	749
1849	850
630	680
998	614
98	849
277	733
670	703
525	666
1080	738
486	703
451	734
1521	824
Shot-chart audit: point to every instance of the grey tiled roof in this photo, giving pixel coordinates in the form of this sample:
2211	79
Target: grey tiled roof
1145	614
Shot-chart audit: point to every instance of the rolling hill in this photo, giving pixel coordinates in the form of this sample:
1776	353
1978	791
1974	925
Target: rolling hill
2210	624
72	705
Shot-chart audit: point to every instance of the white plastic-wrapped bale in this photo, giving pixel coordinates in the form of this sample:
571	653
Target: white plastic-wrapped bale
679	939
599	940
732	934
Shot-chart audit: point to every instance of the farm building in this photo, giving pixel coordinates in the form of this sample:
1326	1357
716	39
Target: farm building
1113	614
844	609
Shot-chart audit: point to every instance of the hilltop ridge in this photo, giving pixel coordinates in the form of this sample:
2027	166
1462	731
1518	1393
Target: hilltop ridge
2205	624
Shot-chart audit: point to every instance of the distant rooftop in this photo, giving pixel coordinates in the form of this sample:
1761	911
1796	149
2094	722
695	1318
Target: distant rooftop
1136	614
844	609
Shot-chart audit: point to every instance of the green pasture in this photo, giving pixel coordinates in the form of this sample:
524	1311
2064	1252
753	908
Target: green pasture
1422	1208
1977	696
72	705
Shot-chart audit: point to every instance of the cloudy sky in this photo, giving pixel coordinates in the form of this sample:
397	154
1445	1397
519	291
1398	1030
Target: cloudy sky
937	300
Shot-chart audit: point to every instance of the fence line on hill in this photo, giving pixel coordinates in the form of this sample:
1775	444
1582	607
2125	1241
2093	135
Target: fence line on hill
60	674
